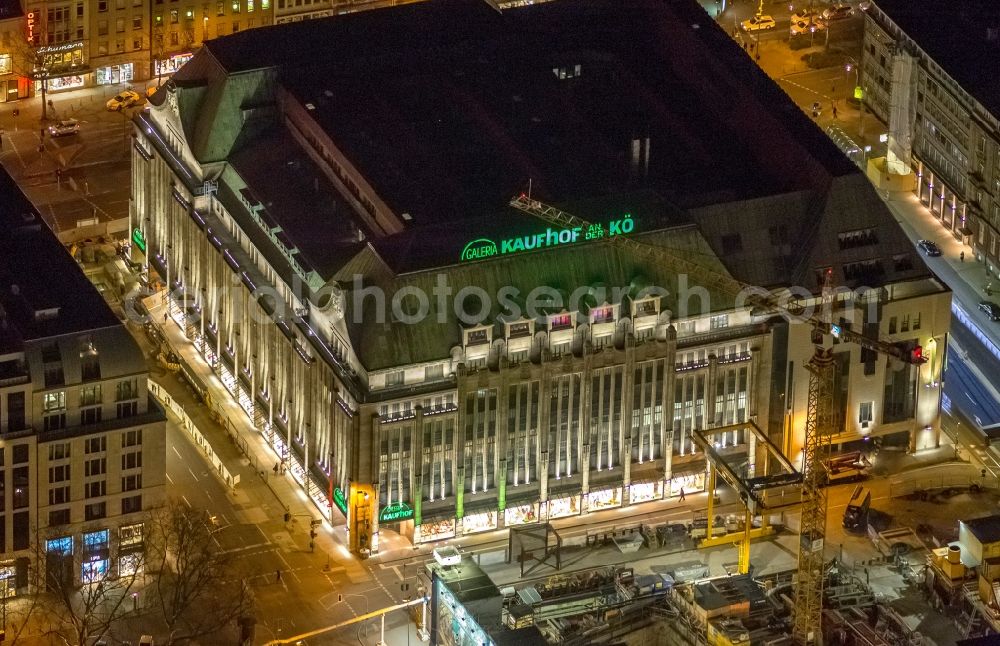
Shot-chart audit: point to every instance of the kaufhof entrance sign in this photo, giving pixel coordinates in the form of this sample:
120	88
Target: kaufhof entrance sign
395	512
481	248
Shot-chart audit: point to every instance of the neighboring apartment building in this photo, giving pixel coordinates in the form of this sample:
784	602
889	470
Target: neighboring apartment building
83	43
927	78
280	190
82	448
13	84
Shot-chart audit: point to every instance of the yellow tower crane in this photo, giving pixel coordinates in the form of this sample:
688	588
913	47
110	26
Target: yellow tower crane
808	609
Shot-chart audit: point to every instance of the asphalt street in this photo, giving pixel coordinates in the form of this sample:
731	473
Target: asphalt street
966	391
95	164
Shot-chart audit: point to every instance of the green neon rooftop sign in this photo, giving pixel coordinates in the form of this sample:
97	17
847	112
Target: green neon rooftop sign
139	240
395	512
481	248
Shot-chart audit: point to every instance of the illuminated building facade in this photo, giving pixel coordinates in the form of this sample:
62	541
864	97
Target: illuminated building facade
14	26
944	115
82	444
319	213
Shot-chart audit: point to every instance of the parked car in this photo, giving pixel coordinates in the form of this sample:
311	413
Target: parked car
805	15
758	23
64	128
838	12
929	248
126	99
991	309
805	27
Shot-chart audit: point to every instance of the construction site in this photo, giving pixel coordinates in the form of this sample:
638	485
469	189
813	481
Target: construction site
883	584
926	586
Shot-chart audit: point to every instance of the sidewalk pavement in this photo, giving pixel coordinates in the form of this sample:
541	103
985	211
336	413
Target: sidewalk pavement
255	466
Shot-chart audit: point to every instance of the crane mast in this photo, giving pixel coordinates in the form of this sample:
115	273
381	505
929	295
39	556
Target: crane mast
812	524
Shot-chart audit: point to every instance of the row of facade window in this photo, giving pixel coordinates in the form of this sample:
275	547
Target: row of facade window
96	489
607	413
96	466
123	410
92	511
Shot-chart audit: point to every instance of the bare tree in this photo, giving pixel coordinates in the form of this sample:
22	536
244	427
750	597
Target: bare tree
84	611
17	614
198	591
30	61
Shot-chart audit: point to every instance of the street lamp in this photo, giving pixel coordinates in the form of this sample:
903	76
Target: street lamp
854	66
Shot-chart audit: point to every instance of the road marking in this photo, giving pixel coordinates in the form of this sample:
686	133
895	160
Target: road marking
807	89
169	479
176	451
247	548
192	474
186	502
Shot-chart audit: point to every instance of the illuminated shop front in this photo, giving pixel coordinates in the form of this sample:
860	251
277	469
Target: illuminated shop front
58	83
13	89
170	65
562	507
604	499
521	514
95	556
64	66
480	522
690	483
645	491
8	579
434	530
114	74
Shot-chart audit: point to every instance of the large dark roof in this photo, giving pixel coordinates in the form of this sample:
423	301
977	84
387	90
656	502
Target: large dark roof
448	123
284	180
42	291
445	124
962	36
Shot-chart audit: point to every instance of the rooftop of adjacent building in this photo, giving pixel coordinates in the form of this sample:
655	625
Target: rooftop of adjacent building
43	293
962	36
986	529
466	581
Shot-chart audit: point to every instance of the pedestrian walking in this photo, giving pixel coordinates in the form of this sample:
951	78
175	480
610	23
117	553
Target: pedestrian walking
834	112
277	576
682	494
961	257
